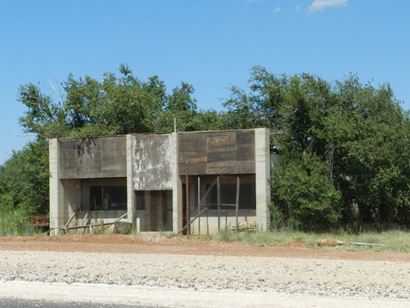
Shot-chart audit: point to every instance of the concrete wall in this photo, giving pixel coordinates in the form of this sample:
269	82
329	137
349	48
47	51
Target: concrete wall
157	162
152	171
72	197
65	195
131	209
152	162
56	188
262	167
93	158
208	224
176	186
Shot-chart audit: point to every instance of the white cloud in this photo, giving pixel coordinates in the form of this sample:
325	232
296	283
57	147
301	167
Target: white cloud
319	5
276	10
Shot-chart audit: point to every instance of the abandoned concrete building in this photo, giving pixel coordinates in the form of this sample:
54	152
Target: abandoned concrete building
159	182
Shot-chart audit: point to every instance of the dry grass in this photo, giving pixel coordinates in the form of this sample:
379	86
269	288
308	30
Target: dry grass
391	241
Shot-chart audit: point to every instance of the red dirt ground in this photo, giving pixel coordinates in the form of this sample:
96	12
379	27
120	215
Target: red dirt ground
182	245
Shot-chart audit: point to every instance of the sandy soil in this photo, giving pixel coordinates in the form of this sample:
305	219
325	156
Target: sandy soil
178	272
181	245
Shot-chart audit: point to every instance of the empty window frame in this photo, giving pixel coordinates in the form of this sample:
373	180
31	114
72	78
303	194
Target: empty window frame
108	198
247	192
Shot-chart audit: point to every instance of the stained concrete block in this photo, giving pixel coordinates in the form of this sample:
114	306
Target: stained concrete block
151	162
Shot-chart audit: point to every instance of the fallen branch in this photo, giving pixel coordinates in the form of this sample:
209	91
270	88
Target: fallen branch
91	226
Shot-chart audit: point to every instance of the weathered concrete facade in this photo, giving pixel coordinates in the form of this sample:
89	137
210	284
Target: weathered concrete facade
161	181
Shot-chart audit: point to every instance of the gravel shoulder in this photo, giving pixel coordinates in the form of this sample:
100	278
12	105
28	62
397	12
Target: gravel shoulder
288	277
37	294
199	274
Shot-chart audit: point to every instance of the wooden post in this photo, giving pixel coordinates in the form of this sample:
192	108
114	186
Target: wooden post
195	218
238	185
199	204
218	196
226	219
85	221
68	222
207	224
187	200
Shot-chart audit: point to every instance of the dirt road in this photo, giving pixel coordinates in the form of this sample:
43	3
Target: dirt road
181	245
177	272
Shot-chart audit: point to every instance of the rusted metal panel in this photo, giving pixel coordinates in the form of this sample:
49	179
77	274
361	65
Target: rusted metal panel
195	143
245	167
222	152
110	150
92	158
224	167
192	157
193	168
222	156
221	142
245	137
245	152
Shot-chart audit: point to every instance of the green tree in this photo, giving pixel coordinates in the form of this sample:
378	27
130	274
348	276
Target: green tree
355	135
343	147
24	178
118	104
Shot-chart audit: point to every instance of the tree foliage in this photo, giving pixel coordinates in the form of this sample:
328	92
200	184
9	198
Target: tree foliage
24	179
118	104
343	148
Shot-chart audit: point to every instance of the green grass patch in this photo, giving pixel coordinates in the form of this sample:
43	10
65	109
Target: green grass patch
15	221
389	241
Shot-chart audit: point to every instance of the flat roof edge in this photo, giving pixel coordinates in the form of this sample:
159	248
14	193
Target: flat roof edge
160	134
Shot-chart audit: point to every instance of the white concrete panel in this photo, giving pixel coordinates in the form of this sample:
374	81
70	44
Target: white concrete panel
131	206
262	168
56	188
176	185
151	162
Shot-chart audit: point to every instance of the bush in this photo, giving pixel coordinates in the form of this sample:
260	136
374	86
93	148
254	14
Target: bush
14	221
304	196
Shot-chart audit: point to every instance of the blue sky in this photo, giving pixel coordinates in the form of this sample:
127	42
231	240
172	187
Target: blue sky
212	44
